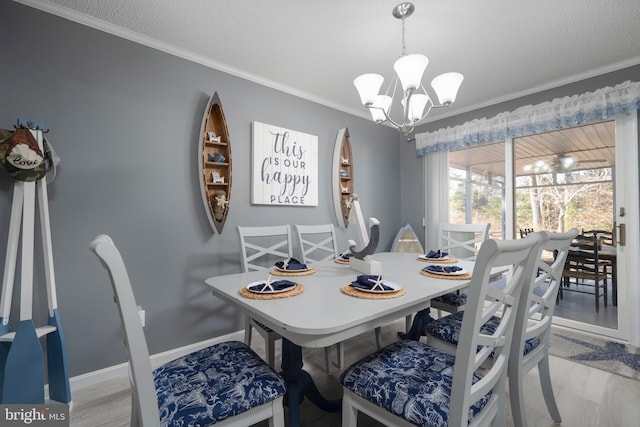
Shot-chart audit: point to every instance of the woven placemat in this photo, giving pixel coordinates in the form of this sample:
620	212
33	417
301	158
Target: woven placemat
353	292
464	276
308	272
296	290
440	261
342	261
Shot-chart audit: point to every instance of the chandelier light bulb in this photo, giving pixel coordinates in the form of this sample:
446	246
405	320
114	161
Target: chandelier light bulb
368	86
380	108
410	69
417	104
446	86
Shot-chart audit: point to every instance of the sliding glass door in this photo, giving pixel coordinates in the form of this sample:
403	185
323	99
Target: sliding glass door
573	178
565	179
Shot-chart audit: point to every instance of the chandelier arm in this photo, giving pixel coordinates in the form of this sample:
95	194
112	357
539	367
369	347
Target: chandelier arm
402	127
395	87
407	104
387	117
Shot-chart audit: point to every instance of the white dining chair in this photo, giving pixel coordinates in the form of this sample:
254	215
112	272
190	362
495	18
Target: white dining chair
260	248
461	241
537	327
318	243
533	327
226	384
412	383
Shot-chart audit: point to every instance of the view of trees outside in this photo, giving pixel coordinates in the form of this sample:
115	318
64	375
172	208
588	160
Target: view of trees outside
547	201
561	201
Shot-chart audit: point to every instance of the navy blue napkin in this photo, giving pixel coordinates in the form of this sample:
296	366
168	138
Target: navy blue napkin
345	255
363	282
278	285
436	254
292	264
442	269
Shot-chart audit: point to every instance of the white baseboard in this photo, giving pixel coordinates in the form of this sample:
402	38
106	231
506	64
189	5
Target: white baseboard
121	371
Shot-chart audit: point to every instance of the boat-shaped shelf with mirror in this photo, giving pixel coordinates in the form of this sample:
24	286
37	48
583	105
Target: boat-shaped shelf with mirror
214	161
343	178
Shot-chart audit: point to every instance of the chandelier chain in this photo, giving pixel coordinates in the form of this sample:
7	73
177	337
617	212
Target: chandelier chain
404	47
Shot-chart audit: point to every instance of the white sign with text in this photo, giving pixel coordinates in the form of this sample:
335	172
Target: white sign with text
285	167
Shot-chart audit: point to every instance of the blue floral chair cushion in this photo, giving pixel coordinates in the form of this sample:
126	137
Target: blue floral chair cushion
233	375
409	379
447	328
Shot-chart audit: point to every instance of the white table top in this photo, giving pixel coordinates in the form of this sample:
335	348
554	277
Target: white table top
322	315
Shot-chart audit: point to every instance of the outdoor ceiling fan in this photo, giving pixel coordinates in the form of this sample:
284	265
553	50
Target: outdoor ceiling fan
562	163
565	163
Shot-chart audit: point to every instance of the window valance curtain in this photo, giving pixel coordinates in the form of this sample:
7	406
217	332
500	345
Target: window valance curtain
562	113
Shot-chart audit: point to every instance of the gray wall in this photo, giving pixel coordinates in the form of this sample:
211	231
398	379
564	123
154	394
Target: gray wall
125	120
412	195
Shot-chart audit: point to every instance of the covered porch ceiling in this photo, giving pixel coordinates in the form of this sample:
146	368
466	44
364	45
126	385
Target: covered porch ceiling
590	147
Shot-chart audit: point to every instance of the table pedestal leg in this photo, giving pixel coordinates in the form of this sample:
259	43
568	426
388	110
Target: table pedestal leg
300	384
420	320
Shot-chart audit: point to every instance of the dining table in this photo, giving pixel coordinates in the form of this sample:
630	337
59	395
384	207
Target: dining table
325	313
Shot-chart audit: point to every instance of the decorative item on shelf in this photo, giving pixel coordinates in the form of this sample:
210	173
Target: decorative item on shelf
215	157
214	162
416	103
343	177
217	178
213	137
346	205
220	204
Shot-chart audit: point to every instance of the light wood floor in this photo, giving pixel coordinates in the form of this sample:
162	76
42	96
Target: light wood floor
587	397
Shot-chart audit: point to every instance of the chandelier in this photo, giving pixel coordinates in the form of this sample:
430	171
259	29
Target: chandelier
416	103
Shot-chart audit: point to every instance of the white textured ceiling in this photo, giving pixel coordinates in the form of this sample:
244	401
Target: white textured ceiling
315	48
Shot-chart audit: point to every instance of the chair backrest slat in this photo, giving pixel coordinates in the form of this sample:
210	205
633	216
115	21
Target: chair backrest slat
542	296
316	242
145	410
463	240
584	257
261	247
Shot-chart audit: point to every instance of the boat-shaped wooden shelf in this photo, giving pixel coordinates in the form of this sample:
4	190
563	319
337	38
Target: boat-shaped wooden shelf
343	178
214	161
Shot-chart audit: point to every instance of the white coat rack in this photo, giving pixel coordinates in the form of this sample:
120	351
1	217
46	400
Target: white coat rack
21	358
